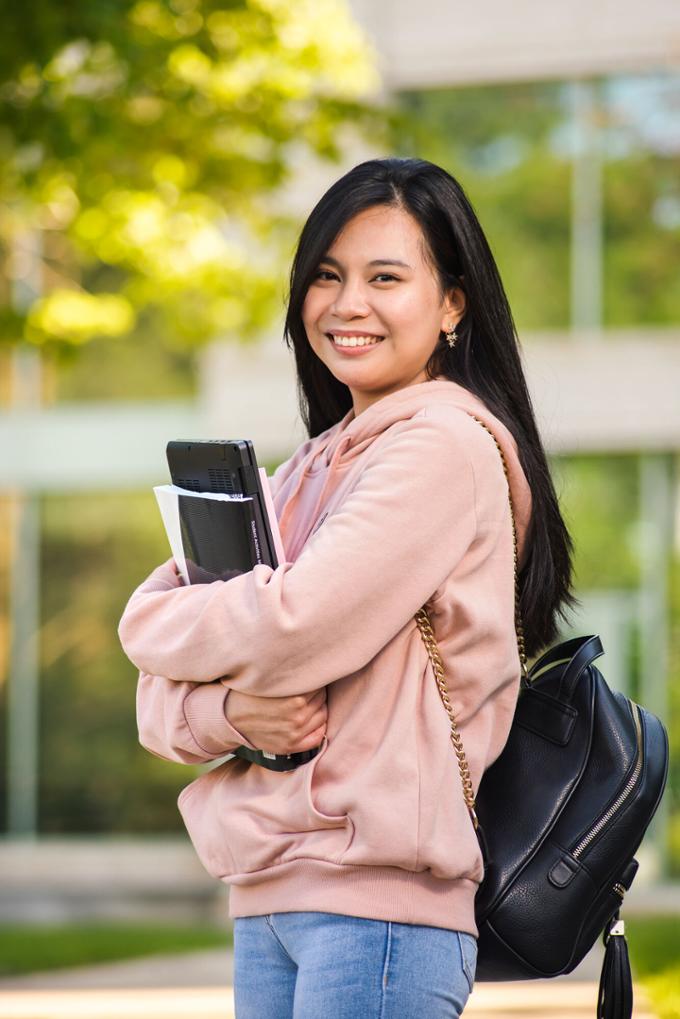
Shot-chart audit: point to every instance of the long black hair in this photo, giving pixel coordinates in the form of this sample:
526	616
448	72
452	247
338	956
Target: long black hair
485	359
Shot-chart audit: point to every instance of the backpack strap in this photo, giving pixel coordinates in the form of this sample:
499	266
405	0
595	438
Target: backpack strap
425	626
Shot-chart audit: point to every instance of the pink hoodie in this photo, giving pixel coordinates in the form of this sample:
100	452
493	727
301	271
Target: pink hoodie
405	504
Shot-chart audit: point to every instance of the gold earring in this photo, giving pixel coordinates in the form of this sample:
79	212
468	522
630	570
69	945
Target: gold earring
451	336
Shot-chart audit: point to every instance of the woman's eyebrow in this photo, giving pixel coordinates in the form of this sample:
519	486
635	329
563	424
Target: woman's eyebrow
376	261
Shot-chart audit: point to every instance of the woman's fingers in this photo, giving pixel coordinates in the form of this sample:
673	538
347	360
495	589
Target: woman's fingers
295	739
280	725
305	705
311	740
318	719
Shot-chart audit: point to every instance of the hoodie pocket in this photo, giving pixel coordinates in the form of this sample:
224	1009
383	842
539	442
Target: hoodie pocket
242	818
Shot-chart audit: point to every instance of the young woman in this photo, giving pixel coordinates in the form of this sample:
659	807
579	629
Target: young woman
353	877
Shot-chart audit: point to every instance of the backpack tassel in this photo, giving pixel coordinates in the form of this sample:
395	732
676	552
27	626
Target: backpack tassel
615	997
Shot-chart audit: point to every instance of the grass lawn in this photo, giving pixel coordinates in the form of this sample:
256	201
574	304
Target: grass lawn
27	949
654	945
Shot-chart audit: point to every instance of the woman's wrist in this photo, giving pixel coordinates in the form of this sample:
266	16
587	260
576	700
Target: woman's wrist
234	722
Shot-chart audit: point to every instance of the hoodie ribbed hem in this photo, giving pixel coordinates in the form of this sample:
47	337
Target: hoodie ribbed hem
375	893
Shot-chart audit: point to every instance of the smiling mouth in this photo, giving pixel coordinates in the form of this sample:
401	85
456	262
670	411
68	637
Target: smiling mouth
354	341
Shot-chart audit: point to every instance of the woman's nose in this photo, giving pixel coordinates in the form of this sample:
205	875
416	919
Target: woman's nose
350	301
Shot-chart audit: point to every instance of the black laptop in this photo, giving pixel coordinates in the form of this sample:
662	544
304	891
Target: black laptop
228	466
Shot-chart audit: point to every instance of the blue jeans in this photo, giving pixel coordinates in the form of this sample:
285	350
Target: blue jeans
331	966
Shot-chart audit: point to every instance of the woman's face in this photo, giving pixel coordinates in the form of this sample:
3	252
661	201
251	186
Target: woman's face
375	282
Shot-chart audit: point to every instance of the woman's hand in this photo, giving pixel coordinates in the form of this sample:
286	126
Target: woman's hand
280	725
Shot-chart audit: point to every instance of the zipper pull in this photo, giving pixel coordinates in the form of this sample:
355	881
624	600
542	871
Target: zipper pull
615	993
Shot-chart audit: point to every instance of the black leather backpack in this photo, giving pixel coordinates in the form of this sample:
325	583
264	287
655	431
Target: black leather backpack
563	810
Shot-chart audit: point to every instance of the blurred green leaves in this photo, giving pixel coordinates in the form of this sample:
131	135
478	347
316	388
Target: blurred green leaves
149	144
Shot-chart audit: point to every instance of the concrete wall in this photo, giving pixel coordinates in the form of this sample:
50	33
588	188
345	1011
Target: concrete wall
62	879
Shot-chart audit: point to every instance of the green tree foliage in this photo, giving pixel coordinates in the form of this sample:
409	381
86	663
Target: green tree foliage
146	144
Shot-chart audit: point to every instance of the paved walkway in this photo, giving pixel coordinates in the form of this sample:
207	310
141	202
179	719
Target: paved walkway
500	1001
197	986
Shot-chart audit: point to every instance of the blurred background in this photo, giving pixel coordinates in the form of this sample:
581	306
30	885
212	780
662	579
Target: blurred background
157	160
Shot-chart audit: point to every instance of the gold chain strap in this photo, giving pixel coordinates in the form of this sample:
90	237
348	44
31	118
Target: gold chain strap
425	627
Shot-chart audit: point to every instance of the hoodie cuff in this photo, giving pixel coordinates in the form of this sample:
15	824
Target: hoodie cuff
205	710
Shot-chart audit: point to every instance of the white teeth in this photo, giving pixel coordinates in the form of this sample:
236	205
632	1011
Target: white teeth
355	341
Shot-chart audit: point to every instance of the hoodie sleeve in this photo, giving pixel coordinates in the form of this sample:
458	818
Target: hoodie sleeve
185	722
358	581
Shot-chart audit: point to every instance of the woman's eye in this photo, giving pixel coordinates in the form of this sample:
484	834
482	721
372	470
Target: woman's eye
382	277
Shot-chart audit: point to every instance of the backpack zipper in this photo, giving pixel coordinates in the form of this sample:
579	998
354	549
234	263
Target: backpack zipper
625	792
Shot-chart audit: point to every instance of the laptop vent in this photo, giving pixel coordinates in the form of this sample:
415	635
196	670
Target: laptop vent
220	480
188	484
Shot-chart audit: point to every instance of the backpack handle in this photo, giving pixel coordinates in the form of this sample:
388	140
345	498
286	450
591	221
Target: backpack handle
578	651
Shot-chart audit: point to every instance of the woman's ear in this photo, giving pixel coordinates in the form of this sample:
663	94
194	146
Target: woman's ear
454	307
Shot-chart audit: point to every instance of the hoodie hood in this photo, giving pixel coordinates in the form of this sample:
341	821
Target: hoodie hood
339	445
